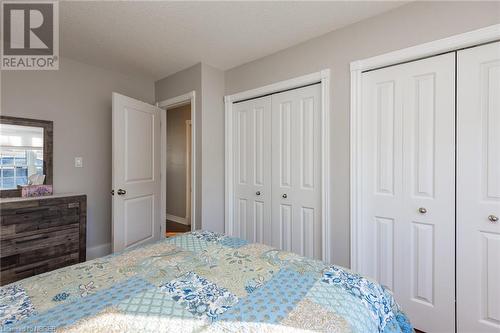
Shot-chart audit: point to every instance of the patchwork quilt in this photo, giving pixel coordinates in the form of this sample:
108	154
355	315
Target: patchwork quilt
200	282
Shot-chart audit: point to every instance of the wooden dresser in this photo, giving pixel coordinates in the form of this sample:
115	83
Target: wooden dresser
38	235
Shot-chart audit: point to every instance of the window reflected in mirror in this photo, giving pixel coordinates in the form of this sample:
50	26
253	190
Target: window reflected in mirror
21	155
25	154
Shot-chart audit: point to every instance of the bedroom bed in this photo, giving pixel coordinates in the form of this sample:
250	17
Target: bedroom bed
200	282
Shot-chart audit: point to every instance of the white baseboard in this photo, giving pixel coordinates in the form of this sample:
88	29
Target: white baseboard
98	251
178	219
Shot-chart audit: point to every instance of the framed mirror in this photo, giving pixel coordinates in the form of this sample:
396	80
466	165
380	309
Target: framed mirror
25	150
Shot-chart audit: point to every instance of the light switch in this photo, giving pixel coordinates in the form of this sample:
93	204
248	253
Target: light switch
78	162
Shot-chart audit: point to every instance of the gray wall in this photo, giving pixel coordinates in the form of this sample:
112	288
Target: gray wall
208	82
77	98
178	84
176	159
412	24
213	149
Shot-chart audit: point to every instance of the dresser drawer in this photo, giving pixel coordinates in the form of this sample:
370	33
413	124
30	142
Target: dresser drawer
38	255
40	241
32	219
42	266
41	234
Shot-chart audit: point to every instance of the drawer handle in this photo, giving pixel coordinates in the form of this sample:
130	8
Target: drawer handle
31	239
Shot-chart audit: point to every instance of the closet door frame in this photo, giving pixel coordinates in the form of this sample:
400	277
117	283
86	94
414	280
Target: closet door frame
322	77
449	44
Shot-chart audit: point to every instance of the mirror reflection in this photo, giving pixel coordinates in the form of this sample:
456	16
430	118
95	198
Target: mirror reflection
21	155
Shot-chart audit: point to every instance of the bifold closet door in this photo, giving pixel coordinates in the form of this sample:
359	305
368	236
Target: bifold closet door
252	170
296	171
409	187
478	189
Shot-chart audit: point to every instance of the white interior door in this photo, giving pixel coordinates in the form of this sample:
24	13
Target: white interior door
296	171
136	173
478	189
409	187
252	170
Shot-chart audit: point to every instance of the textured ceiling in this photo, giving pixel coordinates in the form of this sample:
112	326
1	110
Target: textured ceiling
158	38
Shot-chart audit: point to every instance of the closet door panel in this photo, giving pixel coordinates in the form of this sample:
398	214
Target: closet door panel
383	172
424	135
241	170
478	189
252	170
285	145
409	161
386	137
429	187
296	170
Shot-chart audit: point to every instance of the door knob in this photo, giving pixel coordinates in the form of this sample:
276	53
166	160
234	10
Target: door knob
284	196
422	210
493	218
257	193
121	192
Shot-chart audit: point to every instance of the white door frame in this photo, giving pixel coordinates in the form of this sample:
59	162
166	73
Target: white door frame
189	145
322	77
440	46
188	98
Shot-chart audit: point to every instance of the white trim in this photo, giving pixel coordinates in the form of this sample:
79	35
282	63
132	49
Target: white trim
325	166
276	87
188	98
163	171
228	159
178	219
322	77
98	251
177	101
188	175
356	167
467	39
448	44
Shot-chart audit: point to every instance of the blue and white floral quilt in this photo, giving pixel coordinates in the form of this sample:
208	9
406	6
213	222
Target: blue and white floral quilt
200	282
